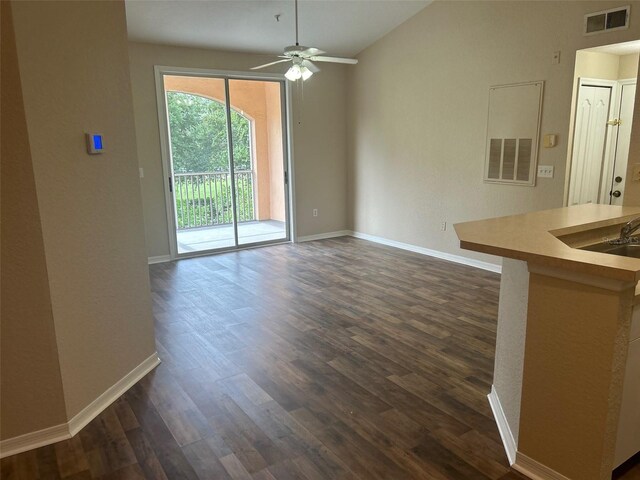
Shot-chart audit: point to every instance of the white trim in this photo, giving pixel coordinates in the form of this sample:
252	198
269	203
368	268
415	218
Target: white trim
95	408
64	431
535	470
288	111
31	440
159	259
165	155
508	441
322	236
491	267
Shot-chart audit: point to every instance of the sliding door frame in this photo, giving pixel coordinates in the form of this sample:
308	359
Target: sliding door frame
160	71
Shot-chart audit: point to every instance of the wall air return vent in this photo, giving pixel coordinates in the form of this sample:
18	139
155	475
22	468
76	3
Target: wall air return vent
607	20
512	133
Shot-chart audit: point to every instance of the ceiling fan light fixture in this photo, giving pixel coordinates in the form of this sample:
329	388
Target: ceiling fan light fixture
306	73
294	73
302	57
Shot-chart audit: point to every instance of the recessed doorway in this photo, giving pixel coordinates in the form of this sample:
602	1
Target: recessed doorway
603	100
225	158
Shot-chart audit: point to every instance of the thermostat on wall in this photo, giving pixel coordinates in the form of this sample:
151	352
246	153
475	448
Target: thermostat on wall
94	143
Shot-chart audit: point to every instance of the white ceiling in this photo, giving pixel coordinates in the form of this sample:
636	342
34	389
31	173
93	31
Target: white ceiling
340	27
626	48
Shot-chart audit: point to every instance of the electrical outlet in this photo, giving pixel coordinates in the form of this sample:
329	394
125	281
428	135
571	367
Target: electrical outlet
555	59
315	212
443	226
545	171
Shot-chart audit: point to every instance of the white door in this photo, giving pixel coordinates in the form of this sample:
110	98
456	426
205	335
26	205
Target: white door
586	182
627	99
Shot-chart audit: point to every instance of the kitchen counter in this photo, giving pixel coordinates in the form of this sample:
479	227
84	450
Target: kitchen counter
566	384
538	236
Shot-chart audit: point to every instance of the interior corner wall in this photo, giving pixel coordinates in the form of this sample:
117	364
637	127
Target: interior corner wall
418	102
318	137
628	66
74	71
632	188
32	398
603	66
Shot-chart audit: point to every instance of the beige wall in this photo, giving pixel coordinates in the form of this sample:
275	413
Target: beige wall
30	381
319	137
75	78
605	66
632	189
418	104
569	415
628	66
510	339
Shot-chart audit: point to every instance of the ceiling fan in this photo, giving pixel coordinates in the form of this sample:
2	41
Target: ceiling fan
302	57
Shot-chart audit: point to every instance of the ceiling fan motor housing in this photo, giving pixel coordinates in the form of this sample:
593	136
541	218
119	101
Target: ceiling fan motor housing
294	50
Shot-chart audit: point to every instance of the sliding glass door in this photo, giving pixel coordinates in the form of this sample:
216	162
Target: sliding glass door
227	169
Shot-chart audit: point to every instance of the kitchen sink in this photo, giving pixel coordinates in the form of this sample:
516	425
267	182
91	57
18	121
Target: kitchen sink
626	250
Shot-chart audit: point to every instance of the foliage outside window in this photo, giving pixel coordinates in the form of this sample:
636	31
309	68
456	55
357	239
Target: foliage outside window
199	152
198	128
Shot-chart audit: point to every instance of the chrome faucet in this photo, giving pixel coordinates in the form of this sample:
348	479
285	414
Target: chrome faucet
626	231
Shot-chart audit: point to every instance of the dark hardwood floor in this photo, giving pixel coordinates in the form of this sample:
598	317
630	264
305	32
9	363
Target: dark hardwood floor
331	359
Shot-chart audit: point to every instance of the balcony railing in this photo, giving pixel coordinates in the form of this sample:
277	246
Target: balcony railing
204	199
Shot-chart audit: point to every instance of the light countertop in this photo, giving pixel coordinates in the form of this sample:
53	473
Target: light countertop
540	237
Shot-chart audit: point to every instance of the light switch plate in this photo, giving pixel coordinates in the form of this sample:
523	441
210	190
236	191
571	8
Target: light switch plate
550	140
545	171
635	173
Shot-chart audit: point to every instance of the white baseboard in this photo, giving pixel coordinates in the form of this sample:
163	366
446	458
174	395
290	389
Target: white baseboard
64	431
159	259
508	441
535	470
322	236
518	461
491	267
31	440
95	408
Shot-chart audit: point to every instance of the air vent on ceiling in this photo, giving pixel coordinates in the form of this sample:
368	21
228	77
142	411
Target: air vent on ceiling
607	20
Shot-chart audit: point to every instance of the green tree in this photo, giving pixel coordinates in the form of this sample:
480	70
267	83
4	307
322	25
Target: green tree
198	128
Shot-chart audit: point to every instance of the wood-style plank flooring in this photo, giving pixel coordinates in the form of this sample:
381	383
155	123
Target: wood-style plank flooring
335	359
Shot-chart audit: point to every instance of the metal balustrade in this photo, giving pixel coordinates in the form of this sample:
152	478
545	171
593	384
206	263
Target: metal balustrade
204	199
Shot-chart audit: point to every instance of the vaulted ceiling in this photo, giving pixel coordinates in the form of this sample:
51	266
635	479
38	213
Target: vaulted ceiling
340	27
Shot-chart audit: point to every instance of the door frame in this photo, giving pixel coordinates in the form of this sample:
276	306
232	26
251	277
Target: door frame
594	82
616	114
165	151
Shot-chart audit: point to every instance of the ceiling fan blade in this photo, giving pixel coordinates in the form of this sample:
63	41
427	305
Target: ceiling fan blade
311	52
272	63
351	61
310	66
